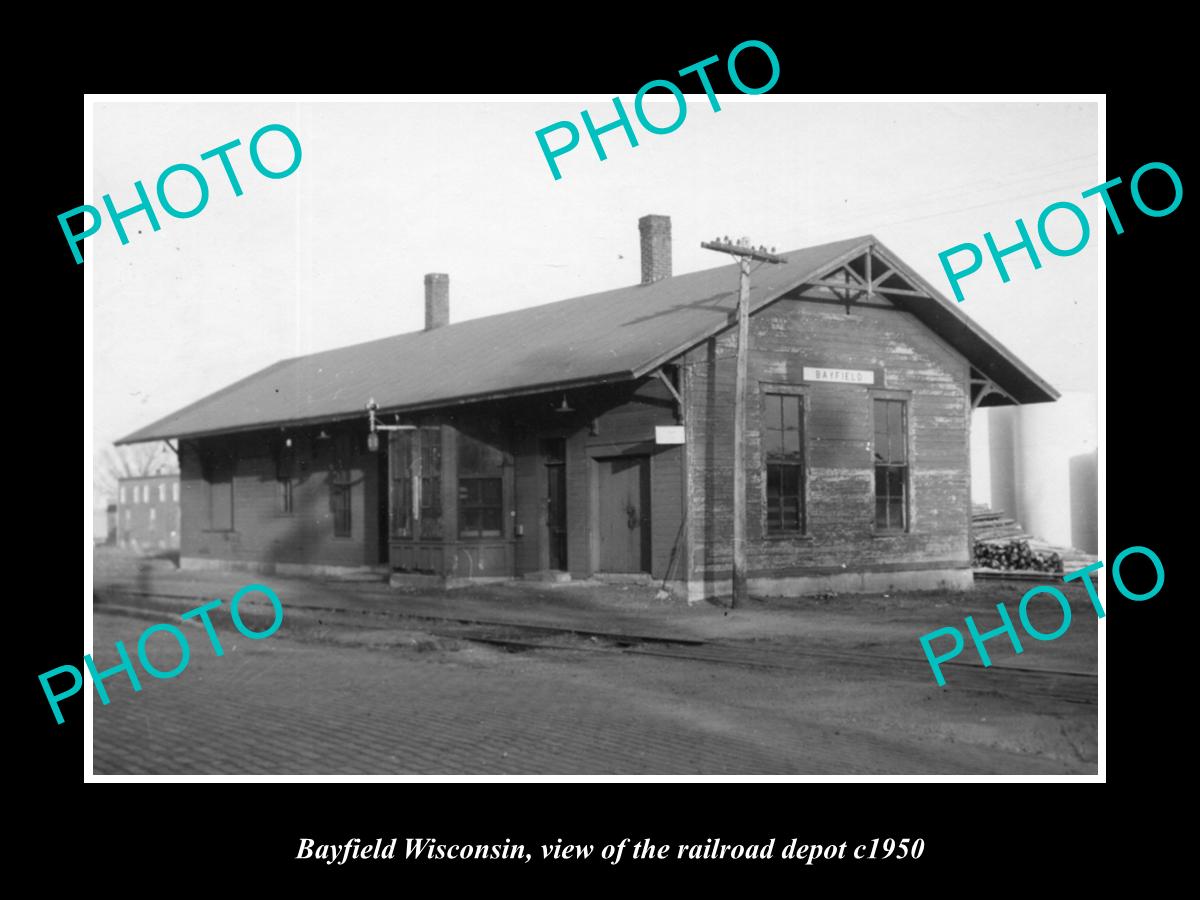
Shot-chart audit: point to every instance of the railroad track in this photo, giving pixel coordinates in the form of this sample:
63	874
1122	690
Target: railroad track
1071	687
1068	686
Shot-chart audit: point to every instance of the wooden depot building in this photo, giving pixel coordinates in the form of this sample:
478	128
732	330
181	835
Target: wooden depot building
594	436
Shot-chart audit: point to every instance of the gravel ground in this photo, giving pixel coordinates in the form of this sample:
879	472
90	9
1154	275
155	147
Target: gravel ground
817	685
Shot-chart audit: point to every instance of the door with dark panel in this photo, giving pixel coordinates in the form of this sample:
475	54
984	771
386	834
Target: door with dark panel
382	488
624	514
554	456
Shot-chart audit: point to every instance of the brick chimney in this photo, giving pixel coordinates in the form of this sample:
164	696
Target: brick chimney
656	247
437	300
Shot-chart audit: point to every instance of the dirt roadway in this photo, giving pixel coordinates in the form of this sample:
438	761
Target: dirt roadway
832	686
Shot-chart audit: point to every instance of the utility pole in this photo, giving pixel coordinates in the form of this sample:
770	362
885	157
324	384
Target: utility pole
744	253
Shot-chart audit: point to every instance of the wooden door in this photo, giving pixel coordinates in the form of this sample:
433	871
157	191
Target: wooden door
624	514
554	456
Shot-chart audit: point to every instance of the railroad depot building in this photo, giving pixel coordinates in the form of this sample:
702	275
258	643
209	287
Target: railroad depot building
594	436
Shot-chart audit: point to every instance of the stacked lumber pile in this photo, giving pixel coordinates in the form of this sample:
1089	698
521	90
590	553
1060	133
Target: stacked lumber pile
1016	554
1000	543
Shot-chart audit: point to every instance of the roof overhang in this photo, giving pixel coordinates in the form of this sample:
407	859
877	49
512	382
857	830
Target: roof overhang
153	433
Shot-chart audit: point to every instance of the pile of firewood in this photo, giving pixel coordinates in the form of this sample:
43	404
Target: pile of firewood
1015	553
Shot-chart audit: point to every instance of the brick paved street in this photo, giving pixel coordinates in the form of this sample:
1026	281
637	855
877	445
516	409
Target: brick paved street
294	705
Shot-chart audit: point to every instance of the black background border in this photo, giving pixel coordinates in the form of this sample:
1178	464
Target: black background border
252	830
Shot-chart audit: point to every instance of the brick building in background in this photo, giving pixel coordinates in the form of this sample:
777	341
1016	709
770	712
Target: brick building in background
148	512
593	436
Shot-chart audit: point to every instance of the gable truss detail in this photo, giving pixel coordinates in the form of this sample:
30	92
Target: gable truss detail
863	278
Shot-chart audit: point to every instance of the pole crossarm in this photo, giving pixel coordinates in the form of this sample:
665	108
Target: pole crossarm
757	253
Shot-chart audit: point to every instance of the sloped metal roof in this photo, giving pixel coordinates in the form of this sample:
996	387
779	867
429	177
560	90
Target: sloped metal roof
610	336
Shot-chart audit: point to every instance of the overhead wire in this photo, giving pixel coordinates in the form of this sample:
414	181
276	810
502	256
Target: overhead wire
989	185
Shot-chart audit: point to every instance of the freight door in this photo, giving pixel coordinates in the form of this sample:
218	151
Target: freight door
624	514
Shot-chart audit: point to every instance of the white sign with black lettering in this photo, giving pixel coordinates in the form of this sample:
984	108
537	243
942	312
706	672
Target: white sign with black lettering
841	376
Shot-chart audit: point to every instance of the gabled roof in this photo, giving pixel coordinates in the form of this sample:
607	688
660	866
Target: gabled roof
611	336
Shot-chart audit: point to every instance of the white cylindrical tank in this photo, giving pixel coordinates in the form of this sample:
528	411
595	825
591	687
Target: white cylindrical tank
1041	467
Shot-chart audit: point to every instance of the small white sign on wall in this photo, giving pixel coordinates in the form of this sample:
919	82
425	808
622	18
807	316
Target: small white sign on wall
841	376
668	434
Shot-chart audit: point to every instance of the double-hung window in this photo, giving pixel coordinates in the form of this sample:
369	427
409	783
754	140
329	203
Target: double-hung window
416	471
783	451
891	465
480	486
431	481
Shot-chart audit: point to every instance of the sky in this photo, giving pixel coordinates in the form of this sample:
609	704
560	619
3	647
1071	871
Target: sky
336	253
